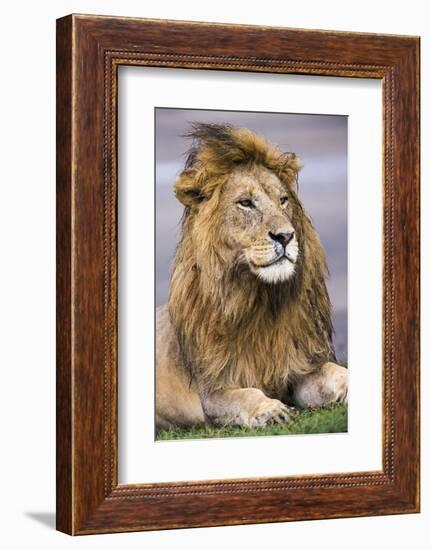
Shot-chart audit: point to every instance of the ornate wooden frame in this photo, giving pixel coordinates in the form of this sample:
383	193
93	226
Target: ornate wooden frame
89	51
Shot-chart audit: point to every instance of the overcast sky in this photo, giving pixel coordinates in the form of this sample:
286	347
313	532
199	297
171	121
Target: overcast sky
320	141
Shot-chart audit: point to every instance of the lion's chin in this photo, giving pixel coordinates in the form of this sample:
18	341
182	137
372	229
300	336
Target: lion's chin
278	272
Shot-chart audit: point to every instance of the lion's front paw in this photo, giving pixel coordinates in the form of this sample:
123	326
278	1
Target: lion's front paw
328	385
248	407
341	387
334	383
270	411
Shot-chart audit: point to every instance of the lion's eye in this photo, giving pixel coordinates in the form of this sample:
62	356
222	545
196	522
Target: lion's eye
246	203
283	201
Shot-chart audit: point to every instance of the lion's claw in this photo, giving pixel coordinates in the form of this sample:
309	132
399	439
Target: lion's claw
272	411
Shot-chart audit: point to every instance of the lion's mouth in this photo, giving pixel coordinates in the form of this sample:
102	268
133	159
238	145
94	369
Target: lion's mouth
277	260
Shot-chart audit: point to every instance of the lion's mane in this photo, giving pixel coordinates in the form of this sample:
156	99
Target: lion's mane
233	329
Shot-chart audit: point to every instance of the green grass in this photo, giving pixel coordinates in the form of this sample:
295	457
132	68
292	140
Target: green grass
332	419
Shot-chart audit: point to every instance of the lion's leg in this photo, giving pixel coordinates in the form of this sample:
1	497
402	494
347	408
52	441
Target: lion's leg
327	385
244	407
177	399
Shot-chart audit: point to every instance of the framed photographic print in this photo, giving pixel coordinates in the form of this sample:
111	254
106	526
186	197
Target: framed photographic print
237	274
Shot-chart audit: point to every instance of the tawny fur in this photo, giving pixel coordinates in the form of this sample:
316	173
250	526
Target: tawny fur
233	329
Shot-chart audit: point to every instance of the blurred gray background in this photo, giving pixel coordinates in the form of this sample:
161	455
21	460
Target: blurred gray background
321	143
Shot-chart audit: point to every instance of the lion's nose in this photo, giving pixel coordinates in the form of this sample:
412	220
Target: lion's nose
282	238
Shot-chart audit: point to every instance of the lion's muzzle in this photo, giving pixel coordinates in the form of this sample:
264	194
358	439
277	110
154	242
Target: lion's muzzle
274	260
282	238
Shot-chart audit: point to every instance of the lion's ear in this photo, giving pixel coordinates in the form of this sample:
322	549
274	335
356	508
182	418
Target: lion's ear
188	189
289	167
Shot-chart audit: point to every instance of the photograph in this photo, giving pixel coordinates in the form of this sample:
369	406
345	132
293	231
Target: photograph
251	320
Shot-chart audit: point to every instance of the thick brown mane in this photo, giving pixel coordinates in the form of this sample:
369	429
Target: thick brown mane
233	329
219	148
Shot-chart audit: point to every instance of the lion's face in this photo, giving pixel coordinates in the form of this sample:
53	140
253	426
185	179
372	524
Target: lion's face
242	208
253	224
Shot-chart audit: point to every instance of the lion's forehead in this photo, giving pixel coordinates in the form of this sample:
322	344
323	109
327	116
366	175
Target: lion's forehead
255	181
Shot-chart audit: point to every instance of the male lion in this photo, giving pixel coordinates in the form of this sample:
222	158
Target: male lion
248	326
